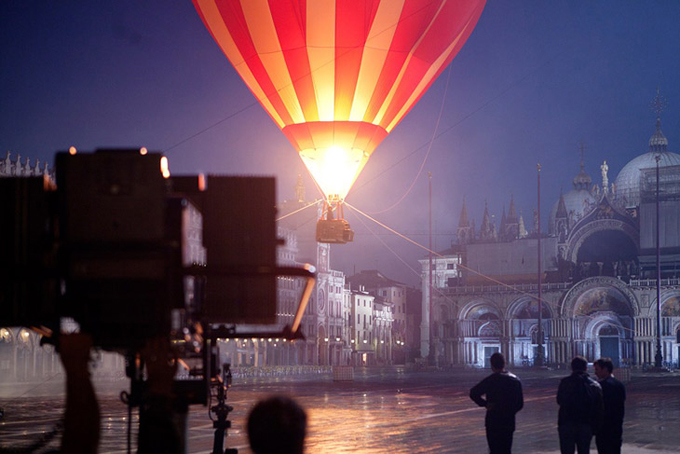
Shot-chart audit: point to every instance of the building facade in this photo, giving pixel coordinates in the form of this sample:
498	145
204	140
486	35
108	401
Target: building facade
598	275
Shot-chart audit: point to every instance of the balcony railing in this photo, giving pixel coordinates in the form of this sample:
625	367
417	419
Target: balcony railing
652	282
504	288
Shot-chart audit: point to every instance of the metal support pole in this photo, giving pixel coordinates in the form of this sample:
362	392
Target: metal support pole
431	353
539	359
658	358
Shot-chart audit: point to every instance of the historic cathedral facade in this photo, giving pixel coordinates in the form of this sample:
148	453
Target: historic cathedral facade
598	281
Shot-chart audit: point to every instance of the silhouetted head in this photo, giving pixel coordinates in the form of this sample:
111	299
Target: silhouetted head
603	368
277	425
497	361
605	363
579	364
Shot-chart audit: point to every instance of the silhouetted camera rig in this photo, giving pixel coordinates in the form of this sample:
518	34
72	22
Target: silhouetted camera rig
132	255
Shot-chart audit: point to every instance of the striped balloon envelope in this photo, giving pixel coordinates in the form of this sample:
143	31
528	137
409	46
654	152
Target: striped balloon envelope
338	75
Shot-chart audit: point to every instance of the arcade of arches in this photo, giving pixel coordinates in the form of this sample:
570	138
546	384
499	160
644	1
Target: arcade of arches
595	318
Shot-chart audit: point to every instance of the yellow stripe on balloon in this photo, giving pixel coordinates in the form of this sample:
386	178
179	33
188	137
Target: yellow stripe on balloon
388	100
427	78
375	53
321	32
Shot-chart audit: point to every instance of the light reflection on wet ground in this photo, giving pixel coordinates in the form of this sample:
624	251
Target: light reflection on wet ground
381	411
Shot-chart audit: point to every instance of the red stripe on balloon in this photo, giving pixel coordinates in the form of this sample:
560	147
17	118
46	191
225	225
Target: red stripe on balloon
413	20
234	19
432	45
290	29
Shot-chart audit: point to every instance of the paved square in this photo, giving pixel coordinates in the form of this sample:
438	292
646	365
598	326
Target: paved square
382	411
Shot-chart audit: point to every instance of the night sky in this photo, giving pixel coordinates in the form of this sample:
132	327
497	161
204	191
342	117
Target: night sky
532	82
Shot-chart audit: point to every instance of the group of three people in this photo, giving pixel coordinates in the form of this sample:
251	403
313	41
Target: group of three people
587	407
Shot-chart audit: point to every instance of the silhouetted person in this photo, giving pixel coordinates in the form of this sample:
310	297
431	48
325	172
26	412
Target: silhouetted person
504	399
81	418
610	435
161	413
581	408
277	425
158	416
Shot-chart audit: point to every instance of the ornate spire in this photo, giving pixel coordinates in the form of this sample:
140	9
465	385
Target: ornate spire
582	180
561	208
512	211
522	230
464	221
466	233
658	143
487	231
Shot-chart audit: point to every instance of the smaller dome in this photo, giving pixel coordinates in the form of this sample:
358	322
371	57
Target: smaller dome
582	180
576	202
658	142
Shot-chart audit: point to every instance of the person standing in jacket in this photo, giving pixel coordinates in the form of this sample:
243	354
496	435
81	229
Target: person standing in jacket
581	409
503	399
609	438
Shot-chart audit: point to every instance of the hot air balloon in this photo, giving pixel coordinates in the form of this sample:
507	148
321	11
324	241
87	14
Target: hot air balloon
338	75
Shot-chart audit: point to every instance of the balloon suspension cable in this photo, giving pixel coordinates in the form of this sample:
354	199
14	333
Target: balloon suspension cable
316	202
429	149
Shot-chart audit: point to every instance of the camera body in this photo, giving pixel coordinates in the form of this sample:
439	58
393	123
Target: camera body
130	254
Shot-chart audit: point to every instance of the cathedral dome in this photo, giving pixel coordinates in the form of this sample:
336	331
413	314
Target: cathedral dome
628	181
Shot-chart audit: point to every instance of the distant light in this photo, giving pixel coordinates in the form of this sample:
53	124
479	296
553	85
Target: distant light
143	151
325	339
382	341
72	150
201	182
365	341
164	167
337	339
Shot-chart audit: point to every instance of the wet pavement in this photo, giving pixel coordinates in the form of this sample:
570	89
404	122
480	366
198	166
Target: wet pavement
389	410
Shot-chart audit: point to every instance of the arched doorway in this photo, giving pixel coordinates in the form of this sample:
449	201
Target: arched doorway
610	343
606	317
481	331
490	332
524	316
